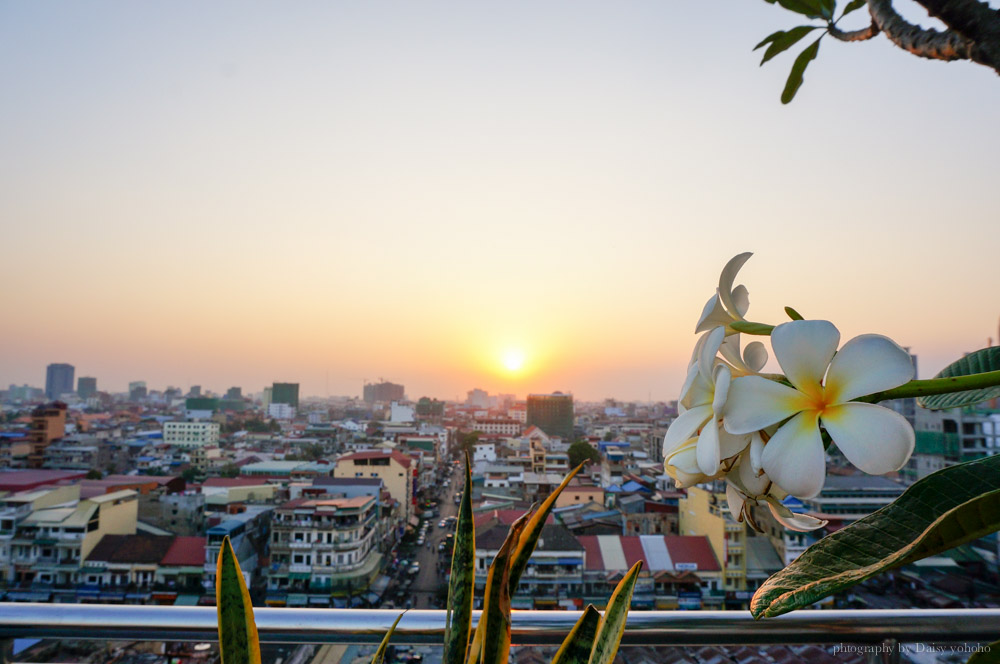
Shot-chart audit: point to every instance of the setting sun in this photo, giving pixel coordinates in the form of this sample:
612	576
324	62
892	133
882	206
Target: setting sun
513	360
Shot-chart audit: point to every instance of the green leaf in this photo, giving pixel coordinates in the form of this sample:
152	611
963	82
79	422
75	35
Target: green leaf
609	634
238	642
794	81
458	620
810	8
785	40
793	314
827	8
987	359
495	618
770	38
853	6
528	540
580	641
989	654
380	653
746	327
943	510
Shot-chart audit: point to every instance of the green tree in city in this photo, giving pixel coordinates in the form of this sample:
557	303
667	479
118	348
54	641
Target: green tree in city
581	451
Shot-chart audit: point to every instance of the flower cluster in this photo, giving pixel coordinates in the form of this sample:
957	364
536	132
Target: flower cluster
764	433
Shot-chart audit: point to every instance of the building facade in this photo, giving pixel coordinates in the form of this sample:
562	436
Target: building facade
58	380
552	413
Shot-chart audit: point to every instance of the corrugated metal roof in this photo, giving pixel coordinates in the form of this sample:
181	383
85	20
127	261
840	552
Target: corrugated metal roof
657	555
611	552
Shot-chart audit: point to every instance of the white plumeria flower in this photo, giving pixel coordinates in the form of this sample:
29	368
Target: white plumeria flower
703	399
681	463
728	304
875	439
746	487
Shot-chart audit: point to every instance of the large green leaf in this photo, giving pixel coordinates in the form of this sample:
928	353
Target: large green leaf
785	40
795	76
852	6
458	621
990	654
943	510
495	618
580	640
238	642
612	627
533	530
379	655
810	8
987	359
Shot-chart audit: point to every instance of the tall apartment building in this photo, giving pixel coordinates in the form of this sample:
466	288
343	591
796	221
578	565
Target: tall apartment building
58	380
287	393
86	387
396	470
383	391
706	513
191	434
137	390
47	424
552	413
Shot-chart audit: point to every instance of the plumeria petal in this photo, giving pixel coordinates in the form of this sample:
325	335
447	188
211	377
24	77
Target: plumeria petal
696	391
754	403
706	358
713	315
730	351
804	349
741	302
794	457
731	444
875	439
798	522
756	450
726	282
735	502
756	484
684	427
867	364
709	455
684	457
723	378
755	356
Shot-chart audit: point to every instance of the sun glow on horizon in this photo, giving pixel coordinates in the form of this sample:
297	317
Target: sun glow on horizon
513	360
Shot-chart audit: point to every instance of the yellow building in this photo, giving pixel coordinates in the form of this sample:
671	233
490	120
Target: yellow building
706	513
395	469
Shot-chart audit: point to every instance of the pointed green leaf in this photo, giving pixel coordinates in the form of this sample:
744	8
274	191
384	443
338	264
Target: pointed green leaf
988	654
458	621
238	642
943	510
793	314
810	8
580	641
612	627
526	545
770	38
794	81
746	327
987	359
852	6
786	40
380	653
827	8
495	618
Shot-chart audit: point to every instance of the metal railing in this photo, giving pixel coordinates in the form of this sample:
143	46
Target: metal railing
353	626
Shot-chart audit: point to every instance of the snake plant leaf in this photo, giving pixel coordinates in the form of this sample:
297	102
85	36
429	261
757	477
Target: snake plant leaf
580	641
982	361
238	642
609	633
988	654
941	511
461	585
533	530
380	653
491	644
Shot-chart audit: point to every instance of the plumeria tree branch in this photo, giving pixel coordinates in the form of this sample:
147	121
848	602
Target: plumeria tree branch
974	20
863	34
922	42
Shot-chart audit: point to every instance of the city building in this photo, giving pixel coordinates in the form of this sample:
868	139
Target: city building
234	393
47	424
383	391
706	513
552	413
137	390
498	426
191	434
287	393
281	411
58	380
396	470
86	387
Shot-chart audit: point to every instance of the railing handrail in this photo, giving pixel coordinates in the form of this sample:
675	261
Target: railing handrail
360	626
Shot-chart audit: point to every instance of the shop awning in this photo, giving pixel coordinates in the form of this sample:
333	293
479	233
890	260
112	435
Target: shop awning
299	576
297	600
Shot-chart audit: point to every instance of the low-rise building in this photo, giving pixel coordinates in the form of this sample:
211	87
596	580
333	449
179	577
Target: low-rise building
191	434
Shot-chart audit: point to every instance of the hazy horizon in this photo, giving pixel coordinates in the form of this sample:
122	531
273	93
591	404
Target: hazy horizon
327	193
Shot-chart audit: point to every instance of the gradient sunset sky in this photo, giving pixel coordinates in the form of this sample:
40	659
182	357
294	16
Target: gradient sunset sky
234	193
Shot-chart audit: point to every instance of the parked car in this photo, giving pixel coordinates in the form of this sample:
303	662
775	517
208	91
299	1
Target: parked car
415	567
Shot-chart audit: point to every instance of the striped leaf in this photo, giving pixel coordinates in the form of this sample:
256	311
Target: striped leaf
943	510
982	361
238	643
989	653
380	653
609	633
493	630
529	538
458	621
580	641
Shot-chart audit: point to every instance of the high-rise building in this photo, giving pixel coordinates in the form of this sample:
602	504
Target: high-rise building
287	393
234	393
383	391
552	413
86	387
195	391
48	423
58	380
137	390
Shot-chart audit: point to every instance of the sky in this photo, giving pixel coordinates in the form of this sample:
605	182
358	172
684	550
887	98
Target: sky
236	193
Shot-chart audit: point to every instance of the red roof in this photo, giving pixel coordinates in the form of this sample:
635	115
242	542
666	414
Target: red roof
234	481
187	551
692	549
505	517
25	480
403	459
594	559
632	548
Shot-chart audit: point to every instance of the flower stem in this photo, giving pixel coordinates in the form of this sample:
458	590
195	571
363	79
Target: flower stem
924	388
